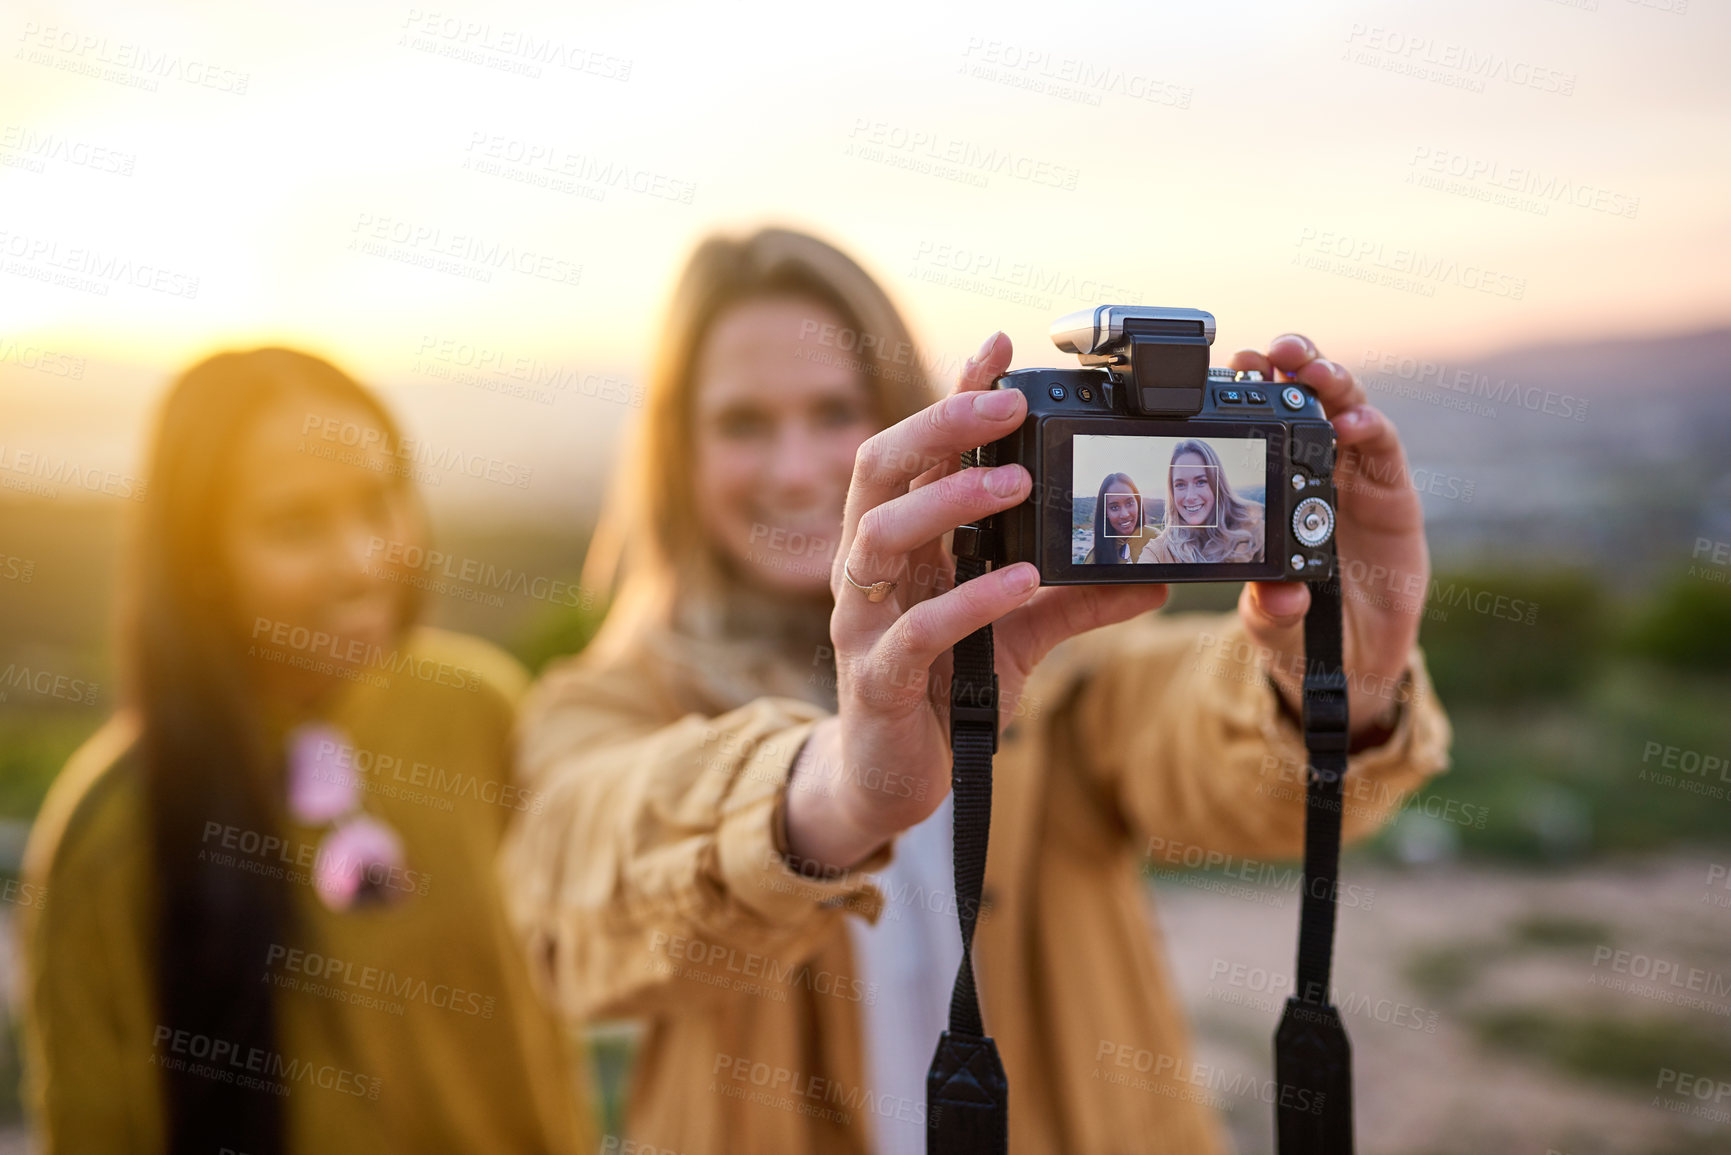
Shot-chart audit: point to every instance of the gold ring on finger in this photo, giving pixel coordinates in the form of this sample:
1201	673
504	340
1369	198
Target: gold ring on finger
876	592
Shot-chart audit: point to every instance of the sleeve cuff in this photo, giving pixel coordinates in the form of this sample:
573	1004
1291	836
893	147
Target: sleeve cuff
1416	747
1420	742
753	857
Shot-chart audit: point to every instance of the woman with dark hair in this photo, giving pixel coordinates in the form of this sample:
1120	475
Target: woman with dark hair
746	843
1119	532
1205	520
271	924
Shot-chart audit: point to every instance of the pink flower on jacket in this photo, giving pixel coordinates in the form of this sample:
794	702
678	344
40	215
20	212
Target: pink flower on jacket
356	862
321	778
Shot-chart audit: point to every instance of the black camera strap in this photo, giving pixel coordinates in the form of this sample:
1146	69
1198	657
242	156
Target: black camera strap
1312	1058
967	1094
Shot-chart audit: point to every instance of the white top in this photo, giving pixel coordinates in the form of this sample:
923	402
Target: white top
908	963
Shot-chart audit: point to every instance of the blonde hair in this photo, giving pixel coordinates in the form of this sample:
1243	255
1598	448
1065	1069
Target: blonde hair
1236	534
649	554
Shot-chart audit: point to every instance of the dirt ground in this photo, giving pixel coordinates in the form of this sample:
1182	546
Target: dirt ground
1596	988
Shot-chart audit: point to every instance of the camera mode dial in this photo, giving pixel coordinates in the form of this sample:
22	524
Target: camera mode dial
1313	521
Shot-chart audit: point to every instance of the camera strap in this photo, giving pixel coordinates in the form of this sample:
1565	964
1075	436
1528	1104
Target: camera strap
1312	1057
967	1094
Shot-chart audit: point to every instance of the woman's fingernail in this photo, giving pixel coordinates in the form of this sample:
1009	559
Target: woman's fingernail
1353	417
1300	338
1004	481
1333	369
1021	579
997	404
986	348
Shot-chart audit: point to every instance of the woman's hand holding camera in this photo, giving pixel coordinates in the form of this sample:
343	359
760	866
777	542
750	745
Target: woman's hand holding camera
882	763
1381	559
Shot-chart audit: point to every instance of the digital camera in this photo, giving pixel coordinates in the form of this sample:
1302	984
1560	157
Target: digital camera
1149	466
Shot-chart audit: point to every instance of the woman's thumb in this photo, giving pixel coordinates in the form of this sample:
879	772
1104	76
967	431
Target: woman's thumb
1273	617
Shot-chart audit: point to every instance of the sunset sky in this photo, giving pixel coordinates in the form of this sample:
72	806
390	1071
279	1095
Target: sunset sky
1412	177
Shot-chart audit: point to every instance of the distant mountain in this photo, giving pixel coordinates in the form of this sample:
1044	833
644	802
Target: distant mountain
1613	454
1607	454
1679	364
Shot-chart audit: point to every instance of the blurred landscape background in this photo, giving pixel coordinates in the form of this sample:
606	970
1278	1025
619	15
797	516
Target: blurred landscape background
1530	281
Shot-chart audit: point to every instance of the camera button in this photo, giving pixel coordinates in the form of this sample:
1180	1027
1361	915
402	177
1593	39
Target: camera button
1292	397
1256	396
1083	393
1056	392
1230	396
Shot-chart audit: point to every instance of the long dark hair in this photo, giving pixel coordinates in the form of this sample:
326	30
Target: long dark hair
201	746
1113	483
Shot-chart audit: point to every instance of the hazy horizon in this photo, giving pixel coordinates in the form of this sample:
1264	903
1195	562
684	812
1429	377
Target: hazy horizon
1439	182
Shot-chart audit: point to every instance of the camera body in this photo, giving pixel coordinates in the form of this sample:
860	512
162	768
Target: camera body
1149	466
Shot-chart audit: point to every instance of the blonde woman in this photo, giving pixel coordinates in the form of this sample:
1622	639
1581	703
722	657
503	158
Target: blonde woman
1205	520
746	840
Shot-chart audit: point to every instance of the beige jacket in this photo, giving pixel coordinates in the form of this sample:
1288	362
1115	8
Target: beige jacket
651	885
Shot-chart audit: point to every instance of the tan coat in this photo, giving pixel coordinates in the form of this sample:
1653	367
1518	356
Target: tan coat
651	885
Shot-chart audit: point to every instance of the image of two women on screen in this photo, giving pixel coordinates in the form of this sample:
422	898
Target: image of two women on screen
1212	509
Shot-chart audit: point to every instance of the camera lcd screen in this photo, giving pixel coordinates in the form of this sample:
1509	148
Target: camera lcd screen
1152	500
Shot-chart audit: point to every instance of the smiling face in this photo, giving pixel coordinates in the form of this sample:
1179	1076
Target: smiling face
778	418
1192	490
306	545
1123	511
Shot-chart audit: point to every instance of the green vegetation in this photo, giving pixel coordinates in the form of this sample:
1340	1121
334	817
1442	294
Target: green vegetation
1556	693
11	1074
554	633
1562	725
1553	932
1513	639
34	745
1620	1050
1552	715
1445	973
1688	626
611	1048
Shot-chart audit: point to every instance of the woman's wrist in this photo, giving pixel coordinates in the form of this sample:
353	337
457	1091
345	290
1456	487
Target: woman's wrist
823	831
1375	717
